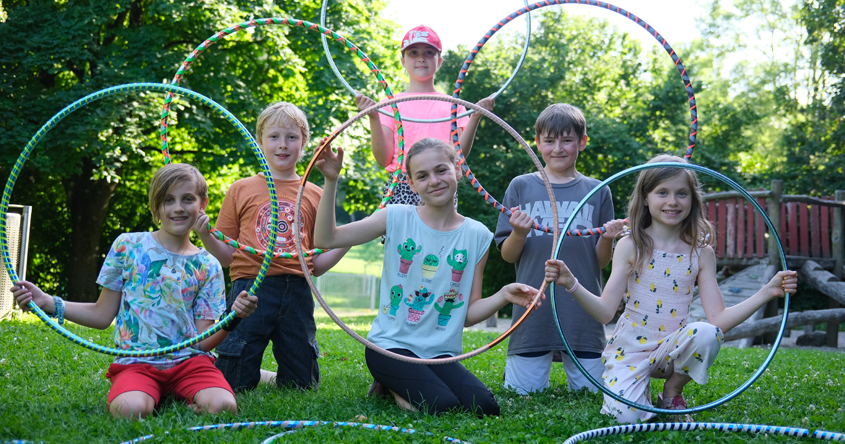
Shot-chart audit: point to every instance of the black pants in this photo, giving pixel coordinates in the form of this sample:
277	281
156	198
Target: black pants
432	388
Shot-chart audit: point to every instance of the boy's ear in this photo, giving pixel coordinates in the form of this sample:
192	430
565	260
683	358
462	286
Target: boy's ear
204	205
583	143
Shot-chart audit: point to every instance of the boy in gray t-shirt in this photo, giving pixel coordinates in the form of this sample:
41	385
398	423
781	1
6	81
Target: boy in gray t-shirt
561	133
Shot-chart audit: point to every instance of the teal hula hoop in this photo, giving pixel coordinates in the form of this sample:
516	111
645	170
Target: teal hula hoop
16	169
773	232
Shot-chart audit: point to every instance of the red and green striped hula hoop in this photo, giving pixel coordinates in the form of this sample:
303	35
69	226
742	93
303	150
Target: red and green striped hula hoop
180	73
531	7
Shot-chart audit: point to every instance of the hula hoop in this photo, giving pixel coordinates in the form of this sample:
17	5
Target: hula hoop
702	426
773	232
298	239
180	73
157	87
409	119
294	426
543	4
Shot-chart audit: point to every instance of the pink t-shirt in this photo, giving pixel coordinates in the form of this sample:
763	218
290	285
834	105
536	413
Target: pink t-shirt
414	131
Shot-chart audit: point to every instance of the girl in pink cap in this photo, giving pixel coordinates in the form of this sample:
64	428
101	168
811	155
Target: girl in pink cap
421	58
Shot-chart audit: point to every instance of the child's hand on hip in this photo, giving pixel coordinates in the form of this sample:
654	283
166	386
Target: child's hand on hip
521	222
330	163
783	282
245	304
558	272
521	294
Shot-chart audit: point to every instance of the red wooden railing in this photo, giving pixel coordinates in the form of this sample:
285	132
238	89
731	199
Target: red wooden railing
805	226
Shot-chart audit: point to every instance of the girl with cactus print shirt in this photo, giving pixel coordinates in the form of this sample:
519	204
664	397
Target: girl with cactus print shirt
431	283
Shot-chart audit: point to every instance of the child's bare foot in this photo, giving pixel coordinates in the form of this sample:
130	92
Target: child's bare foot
403	403
267	377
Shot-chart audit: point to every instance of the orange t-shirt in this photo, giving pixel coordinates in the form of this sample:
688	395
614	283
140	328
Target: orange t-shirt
245	217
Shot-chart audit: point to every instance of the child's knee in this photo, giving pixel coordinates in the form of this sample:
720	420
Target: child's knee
132	405
215	400
704	334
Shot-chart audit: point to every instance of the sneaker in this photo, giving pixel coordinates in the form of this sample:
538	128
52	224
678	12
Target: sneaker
376	389
676	403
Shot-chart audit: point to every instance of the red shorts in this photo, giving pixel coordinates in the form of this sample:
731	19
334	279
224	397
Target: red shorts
184	380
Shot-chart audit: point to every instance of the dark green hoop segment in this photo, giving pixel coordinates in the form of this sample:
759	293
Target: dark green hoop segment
16	169
773	232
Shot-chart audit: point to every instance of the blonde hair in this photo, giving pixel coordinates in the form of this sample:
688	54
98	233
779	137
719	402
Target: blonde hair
168	177
283	113
696	230
559	119
427	144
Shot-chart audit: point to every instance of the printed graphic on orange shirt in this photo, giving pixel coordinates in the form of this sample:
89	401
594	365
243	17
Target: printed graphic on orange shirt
285	241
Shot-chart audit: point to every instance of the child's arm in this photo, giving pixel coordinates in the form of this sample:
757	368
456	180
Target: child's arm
324	262
513	244
326	232
224	253
603	307
604	247
244	305
381	136
714	305
98	315
467	135
480	309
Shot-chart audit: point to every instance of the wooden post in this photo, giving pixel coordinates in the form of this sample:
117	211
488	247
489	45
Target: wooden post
773	204
838	240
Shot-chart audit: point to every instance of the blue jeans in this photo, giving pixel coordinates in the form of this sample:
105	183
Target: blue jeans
285	315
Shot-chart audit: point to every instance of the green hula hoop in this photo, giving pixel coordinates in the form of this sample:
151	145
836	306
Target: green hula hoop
324	32
772	230
16	169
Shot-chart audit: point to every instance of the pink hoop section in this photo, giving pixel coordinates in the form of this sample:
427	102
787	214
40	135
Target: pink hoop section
298	237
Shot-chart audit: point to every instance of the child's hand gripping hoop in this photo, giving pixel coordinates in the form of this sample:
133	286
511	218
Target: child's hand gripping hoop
120	89
445	118
180	73
542	4
298	237
772	231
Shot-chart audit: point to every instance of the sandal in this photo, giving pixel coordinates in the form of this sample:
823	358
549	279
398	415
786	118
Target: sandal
378	390
676	403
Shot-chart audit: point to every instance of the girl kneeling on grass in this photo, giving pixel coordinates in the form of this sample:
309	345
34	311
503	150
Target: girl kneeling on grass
425	295
659	264
162	290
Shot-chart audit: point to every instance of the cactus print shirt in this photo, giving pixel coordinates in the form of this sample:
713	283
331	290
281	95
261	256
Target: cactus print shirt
162	293
426	283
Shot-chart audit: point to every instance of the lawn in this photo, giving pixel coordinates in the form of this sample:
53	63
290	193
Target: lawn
54	391
362	259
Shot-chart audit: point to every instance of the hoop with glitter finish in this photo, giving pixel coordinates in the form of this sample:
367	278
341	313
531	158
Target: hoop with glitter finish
16	169
462	74
772	231
410	119
298	237
180	73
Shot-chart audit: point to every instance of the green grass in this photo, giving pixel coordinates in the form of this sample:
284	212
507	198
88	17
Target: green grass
54	391
362	259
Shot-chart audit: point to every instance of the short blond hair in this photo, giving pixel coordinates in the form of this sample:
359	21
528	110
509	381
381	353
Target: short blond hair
283	113
169	176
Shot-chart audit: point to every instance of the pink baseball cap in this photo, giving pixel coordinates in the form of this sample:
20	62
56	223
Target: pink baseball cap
421	34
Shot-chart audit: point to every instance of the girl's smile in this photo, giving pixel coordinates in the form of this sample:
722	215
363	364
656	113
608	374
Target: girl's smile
670	202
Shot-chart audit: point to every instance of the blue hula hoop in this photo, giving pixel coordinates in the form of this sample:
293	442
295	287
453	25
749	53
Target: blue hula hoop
773	232
703	426
16	169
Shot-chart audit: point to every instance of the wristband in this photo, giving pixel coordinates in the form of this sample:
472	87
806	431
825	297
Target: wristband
574	286
234	323
59	314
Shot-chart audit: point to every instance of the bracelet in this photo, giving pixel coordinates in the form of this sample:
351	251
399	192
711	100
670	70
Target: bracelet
59	314
574	286
234	323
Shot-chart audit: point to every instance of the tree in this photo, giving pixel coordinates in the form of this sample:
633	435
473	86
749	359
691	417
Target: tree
91	172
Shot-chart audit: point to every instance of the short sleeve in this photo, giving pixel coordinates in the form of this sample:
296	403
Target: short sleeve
111	273
210	302
606	212
503	226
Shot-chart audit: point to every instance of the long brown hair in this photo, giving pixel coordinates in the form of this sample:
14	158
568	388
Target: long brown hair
696	230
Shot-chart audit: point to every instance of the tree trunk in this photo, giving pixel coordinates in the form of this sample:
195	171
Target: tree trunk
88	202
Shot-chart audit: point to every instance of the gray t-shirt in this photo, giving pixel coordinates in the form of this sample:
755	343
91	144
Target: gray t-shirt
538	332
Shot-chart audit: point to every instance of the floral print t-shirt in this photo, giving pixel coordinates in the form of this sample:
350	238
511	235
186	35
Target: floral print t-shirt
162	293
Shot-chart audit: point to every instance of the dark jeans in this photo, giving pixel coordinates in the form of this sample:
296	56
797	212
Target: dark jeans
285	315
433	388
